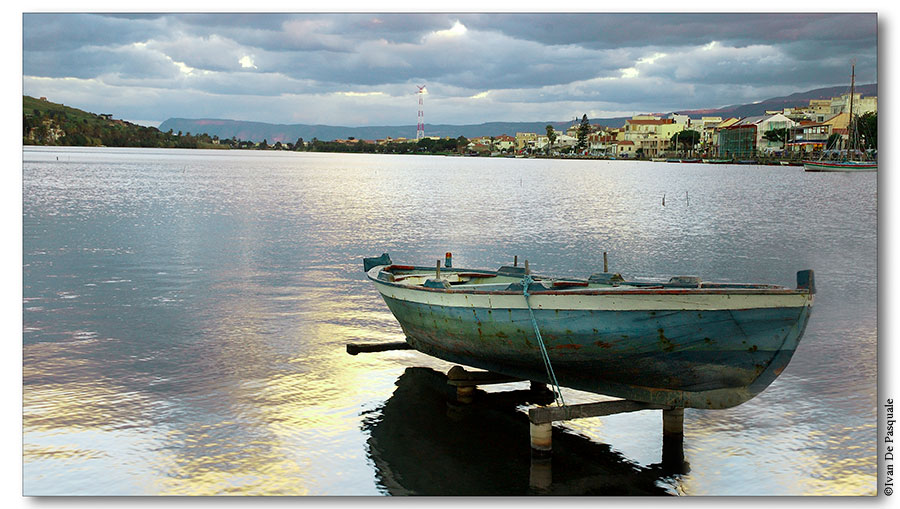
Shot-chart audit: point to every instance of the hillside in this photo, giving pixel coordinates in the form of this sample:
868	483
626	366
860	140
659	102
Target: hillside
49	123
777	103
258	131
289	133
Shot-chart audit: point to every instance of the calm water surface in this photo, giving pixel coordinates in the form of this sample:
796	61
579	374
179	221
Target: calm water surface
186	315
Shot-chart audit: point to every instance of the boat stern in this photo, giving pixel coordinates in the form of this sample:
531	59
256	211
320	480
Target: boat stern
806	280
369	263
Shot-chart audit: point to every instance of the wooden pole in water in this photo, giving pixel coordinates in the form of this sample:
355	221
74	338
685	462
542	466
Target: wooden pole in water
437	270
527	269
541	438
516	261
673	422
464	393
540	475
673	440
605	264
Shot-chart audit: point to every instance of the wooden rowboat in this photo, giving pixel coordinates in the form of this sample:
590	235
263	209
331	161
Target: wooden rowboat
682	342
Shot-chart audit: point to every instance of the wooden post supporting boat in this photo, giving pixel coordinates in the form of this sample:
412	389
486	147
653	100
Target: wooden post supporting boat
542	418
541	438
673	422
357	348
466	381
538	387
673	440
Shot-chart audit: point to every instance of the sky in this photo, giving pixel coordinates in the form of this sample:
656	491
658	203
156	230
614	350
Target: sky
363	68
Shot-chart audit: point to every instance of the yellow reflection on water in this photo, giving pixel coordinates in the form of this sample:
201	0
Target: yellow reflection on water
293	400
796	459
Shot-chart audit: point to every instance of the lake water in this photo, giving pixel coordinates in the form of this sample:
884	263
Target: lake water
186	315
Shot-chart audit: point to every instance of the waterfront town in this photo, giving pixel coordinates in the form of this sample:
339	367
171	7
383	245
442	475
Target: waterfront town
788	133
820	128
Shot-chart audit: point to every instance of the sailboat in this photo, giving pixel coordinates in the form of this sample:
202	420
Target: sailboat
851	162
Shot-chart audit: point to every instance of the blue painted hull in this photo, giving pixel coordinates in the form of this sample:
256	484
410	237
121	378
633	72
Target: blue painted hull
709	359
684	343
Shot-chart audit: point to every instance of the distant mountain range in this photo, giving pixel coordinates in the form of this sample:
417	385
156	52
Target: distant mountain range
259	131
777	103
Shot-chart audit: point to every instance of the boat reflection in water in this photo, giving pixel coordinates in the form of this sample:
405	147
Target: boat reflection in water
423	442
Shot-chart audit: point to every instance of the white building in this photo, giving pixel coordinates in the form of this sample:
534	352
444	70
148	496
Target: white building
861	105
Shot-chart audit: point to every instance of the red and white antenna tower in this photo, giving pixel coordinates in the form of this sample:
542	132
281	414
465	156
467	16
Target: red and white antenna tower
420	128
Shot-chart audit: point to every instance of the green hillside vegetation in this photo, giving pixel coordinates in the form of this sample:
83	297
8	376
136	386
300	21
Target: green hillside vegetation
48	123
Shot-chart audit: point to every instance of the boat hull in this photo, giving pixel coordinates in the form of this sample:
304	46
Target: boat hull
703	350
845	166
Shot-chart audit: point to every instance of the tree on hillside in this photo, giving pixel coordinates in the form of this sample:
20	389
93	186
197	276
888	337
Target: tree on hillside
584	129
867	125
551	137
426	145
687	139
776	135
461	144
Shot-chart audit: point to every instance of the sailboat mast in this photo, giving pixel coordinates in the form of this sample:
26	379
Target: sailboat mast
850	126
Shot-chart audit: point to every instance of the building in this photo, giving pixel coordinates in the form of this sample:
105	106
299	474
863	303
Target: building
678	118
650	134
820	109
737	141
626	149
493	144
525	140
601	143
714	142
706	126
562	141
861	105
504	143
565	141
746	137
809	136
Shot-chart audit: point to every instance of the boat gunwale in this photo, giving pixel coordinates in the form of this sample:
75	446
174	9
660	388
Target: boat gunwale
581	291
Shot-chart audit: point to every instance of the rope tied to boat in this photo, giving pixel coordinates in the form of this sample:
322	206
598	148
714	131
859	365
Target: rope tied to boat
557	395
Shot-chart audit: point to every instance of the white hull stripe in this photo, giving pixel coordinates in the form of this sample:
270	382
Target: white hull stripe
611	301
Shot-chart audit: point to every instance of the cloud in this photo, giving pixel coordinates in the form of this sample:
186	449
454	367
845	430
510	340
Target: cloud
364	67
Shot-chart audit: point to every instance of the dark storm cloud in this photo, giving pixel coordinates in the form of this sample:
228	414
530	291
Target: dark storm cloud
72	31
90	62
488	61
618	30
473	64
